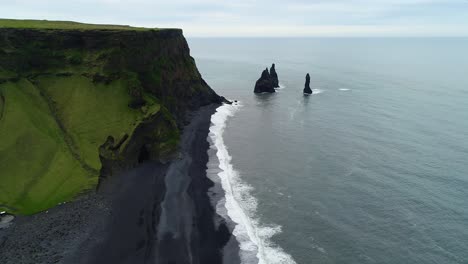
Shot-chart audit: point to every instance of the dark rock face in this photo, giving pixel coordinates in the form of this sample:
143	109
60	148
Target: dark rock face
274	76
307	89
264	84
161	63
130	202
155	62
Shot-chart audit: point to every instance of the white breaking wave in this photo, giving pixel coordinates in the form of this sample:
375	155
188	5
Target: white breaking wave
317	91
281	86
344	89
240	205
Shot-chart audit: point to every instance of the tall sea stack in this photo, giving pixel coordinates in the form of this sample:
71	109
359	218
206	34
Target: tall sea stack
274	76
307	89
264	84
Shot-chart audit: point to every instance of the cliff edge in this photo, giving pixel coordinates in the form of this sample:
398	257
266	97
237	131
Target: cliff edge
80	102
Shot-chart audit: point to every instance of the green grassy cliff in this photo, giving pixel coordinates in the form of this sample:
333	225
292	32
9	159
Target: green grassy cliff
61	25
81	101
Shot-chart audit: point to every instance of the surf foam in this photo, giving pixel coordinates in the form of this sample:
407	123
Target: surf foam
344	89
281	86
316	91
239	205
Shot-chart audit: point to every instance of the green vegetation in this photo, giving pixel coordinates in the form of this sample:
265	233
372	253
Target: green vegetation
73	106
91	112
64	25
35	161
50	136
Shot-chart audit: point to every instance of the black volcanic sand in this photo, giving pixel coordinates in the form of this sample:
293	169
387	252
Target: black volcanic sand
155	213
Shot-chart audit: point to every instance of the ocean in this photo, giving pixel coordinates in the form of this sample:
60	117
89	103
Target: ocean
371	168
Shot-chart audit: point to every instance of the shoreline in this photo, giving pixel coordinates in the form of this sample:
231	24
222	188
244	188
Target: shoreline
238	205
160	213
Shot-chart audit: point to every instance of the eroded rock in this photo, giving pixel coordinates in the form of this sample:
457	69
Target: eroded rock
307	89
274	76
264	84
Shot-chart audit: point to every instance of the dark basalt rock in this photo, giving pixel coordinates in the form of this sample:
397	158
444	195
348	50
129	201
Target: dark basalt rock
307	89
223	100
164	53
274	76
264	84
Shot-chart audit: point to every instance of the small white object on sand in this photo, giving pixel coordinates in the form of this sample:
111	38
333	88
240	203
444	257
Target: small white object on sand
5	220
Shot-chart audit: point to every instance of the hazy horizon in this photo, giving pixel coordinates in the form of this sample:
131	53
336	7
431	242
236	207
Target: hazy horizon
261	18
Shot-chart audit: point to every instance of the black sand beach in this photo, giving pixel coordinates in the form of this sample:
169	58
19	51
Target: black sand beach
155	213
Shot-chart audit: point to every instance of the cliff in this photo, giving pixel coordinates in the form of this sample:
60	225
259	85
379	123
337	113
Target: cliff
81	101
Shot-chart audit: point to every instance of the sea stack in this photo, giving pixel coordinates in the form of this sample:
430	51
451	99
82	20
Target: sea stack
307	89
264	84
274	76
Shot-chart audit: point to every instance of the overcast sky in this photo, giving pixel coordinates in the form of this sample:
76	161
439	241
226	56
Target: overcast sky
273	18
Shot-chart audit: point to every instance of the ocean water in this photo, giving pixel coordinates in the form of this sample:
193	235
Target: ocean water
372	168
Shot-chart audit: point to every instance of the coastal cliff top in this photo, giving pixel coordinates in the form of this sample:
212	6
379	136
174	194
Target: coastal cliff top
67	25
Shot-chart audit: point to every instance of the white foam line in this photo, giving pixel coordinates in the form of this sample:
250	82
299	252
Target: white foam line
253	238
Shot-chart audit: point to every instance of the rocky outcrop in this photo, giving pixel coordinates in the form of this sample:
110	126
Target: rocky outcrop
154	138
307	89
110	97
159	60
265	83
268	81
106	100
274	76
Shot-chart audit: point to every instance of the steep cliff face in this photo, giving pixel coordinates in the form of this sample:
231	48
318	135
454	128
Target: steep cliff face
79	103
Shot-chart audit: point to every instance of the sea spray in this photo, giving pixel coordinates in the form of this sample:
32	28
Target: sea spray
239	205
281	86
316	91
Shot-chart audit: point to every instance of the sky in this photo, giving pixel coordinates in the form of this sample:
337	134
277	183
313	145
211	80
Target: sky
261	18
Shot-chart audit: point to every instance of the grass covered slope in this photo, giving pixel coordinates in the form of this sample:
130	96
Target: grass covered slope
66	25
35	161
82	102
50	154
91	112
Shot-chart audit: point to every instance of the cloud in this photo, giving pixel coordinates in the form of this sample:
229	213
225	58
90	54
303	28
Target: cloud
261	17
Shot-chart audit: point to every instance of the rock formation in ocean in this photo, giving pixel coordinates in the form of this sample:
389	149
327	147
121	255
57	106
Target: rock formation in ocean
264	84
307	89
274	76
